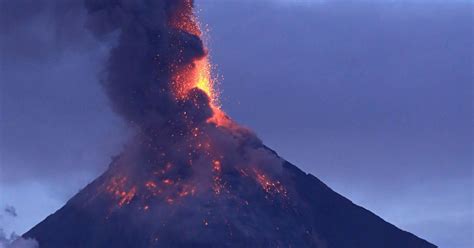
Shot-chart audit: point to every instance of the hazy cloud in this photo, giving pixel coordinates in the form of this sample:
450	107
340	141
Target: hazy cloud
15	241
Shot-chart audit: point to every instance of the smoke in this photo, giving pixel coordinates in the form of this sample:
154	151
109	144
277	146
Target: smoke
150	50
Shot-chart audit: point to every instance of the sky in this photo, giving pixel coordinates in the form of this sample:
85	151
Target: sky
372	97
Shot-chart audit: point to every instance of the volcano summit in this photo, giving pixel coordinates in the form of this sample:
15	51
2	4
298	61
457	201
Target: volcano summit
192	177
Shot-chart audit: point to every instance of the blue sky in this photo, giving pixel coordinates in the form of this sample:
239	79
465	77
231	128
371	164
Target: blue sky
372	97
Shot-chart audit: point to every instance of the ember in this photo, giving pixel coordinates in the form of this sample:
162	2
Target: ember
218	185
271	187
126	197
168	181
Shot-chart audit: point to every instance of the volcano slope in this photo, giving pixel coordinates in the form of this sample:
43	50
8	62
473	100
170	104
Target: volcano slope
238	193
190	176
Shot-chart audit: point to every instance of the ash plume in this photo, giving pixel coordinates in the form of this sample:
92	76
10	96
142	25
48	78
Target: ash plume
150	50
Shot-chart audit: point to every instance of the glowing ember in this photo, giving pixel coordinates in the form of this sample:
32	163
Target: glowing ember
150	185
218	184
187	190
117	188
198	74
168	181
217	165
186	20
127	197
269	186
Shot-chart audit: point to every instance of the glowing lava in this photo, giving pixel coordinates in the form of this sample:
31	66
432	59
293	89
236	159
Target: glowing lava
199	73
203	78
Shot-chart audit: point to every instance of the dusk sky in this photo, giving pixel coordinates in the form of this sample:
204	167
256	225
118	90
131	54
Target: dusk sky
374	98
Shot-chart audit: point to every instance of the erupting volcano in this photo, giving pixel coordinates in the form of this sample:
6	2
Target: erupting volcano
192	177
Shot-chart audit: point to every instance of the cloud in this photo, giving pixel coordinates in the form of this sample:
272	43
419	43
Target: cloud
15	241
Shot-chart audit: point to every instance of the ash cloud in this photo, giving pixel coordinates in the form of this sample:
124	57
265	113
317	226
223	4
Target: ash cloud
139	71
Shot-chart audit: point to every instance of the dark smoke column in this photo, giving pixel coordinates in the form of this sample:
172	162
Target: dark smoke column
155	43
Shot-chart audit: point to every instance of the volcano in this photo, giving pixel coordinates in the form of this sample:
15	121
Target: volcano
243	207
191	176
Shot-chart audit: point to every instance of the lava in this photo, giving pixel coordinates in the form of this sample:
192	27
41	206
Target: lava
204	81
271	187
199	73
126	197
117	187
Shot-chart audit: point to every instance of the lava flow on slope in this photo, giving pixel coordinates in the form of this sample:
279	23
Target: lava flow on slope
190	176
